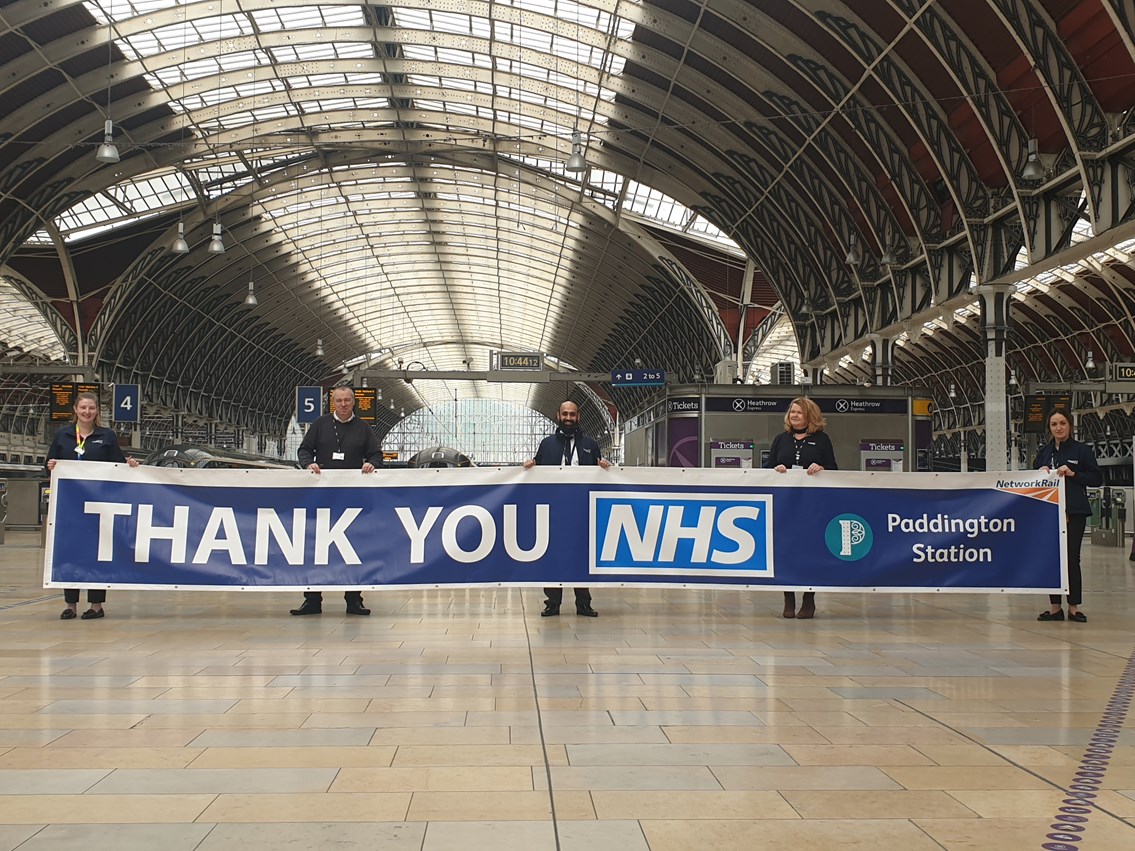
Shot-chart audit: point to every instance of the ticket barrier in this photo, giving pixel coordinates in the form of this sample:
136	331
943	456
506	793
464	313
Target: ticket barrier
1111	504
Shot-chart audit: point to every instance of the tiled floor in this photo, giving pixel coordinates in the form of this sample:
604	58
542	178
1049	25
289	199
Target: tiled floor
462	720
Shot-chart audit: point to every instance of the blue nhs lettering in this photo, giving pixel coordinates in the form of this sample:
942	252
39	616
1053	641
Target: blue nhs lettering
681	534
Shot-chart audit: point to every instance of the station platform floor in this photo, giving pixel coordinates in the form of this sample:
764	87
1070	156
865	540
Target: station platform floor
677	720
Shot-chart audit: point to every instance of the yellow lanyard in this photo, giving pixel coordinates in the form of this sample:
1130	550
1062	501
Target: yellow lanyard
80	442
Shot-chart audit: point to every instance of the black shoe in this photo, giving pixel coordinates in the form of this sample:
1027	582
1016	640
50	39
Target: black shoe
550	611
67	614
1051	616
308	609
357	609
91	614
1078	617
586	611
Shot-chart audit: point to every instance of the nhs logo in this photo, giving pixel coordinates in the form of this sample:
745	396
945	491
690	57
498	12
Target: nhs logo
681	534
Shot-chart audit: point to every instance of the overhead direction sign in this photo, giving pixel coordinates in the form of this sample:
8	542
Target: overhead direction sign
638	378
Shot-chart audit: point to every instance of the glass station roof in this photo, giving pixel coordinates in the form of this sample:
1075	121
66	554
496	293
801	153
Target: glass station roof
436	259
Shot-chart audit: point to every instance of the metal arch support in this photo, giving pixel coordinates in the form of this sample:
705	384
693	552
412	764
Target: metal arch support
823	290
29	291
1049	222
1123	15
950	271
1071	95
602	412
1002	125
1084	120
830	205
921	110
910	184
861	185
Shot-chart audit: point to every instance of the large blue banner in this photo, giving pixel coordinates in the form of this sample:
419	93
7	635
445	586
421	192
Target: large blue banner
110	526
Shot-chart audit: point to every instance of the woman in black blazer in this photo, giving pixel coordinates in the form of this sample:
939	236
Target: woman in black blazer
85	440
1076	464
802	445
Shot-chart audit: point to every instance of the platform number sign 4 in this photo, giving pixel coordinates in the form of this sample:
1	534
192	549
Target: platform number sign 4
127	403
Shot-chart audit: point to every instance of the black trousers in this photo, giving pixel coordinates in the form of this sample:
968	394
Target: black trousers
349	596
94	595
1076	524
556	596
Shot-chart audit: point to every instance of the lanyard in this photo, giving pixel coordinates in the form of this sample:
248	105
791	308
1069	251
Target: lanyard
80	443
799	446
568	452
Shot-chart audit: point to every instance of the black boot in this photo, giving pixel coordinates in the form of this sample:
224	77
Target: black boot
789	604
808	607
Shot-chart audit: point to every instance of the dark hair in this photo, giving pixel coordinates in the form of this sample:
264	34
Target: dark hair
1066	414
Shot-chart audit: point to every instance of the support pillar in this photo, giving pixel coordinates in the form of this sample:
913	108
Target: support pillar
995	300
881	359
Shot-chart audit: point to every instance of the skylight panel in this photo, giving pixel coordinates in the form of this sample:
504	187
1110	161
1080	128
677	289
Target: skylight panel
23	326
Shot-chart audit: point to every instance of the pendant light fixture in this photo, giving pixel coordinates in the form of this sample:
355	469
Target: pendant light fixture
217	243
576	162
854	252
180	246
319	347
1033	169
107	151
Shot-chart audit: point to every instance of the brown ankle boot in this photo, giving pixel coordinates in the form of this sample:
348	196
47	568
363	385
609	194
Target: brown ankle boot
789	604
808	606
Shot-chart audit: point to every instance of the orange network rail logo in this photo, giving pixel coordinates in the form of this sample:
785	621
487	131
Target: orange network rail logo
1045	493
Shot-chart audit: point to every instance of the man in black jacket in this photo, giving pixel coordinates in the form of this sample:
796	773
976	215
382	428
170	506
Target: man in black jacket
338	441
568	447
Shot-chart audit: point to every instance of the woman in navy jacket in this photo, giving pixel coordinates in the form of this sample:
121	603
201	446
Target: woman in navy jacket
801	446
1076	464
85	440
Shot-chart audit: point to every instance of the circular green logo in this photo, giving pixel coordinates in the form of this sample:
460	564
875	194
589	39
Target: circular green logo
848	537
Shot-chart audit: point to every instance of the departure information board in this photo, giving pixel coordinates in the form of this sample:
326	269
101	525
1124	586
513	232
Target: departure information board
62	403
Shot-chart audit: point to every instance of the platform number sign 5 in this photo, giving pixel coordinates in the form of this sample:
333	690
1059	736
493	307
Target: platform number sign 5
309	404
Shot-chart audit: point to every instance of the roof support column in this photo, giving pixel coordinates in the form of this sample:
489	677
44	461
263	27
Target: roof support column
995	300
881	359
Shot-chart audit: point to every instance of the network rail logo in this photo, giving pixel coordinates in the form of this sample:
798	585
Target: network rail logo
681	534
849	537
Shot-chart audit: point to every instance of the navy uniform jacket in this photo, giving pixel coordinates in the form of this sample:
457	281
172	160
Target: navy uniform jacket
1081	461
327	435
551	451
101	445
814	449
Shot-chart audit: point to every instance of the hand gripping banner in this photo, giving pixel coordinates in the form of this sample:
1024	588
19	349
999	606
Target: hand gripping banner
271	530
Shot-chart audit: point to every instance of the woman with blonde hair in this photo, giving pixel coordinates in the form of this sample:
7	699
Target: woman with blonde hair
802	445
86	439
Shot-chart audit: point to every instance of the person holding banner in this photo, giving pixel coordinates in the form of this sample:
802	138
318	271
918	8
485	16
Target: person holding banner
1076	464
338	441
568	447
801	446
86	439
